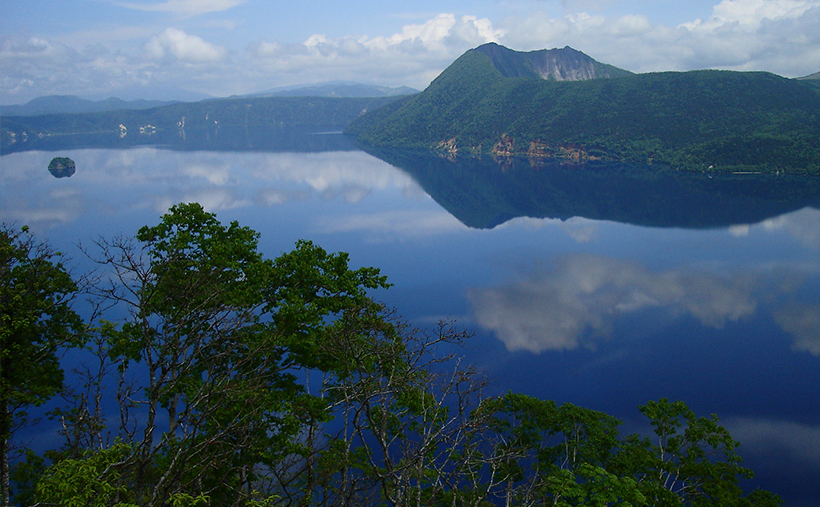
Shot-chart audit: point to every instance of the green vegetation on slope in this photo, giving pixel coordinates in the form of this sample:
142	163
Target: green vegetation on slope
695	120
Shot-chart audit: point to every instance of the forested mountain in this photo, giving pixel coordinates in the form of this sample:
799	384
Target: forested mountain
190	118
702	120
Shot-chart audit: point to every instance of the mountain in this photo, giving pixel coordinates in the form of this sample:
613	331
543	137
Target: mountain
565	64
815	76
493	100
55	104
336	89
214	120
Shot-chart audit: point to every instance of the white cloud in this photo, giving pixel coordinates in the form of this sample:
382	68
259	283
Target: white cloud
630	25
217	173
803	225
577	303
25	48
394	224
212	199
184	47
412	57
185	7
752	13
767	436
157	178
802	321
780	36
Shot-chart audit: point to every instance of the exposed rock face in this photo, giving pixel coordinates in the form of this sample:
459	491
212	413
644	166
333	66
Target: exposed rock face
505	147
565	64
449	146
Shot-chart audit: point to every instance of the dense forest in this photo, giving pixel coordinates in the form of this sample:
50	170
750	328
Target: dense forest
701	120
207	374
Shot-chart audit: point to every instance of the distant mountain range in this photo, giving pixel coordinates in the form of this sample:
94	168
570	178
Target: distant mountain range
57	121
336	89
70	104
561	104
193	124
59	104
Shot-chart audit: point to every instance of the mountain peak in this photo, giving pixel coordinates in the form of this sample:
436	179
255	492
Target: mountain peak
565	64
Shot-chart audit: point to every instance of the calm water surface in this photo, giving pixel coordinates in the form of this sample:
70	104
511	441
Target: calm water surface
664	290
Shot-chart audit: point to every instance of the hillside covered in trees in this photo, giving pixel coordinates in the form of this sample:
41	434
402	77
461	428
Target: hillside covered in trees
215	376
208	117
701	120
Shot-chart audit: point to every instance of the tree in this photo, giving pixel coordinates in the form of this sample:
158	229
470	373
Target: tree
401	407
692	460
219	336
36	322
540	453
91	480
249	382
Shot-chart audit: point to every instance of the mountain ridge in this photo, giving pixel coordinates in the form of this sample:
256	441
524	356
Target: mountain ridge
565	64
697	120
72	104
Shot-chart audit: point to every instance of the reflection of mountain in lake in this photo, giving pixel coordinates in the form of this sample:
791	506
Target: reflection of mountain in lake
484	193
260	139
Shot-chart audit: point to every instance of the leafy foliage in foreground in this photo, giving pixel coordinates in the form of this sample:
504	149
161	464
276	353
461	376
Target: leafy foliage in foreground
694	120
36	322
253	382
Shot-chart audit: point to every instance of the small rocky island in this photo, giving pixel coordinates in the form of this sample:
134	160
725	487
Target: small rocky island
62	167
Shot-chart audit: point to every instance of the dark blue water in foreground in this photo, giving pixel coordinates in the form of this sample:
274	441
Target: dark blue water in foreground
616	290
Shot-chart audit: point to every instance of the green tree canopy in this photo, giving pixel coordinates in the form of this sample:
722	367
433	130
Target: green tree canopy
36	321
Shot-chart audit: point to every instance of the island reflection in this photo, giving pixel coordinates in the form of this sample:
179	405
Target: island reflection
483	192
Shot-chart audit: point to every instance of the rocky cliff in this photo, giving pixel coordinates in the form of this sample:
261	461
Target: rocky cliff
564	64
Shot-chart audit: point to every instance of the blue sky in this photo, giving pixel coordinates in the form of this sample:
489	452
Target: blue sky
177	48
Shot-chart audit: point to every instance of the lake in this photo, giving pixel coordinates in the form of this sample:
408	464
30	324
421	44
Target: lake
604	286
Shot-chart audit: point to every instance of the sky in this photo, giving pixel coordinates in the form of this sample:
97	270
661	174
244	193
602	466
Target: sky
188	49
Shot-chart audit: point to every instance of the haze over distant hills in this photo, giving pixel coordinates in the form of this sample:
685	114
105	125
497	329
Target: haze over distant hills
192	123
563	105
57	104
71	104
335	89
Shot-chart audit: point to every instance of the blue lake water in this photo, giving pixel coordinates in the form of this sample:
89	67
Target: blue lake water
580	285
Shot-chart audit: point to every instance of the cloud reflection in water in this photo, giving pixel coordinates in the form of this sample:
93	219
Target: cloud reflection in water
114	182
576	303
802	321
